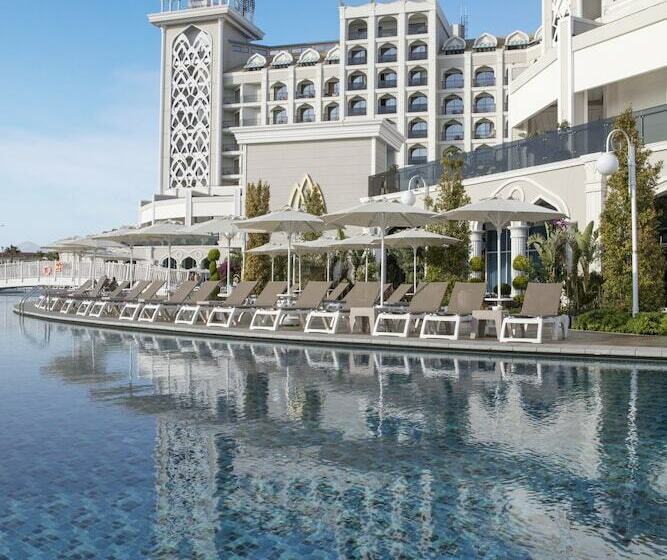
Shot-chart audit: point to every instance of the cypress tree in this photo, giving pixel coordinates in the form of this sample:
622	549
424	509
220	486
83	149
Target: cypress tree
257	202
451	263
616	230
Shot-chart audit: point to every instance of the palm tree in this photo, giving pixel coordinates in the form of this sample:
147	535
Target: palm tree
587	250
550	250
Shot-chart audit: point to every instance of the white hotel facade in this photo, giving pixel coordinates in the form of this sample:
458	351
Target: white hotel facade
399	86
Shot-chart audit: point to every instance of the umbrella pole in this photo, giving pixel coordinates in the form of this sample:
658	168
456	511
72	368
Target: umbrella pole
300	288
366	253
169	269
328	267
229	264
131	265
382	267
414	269
499	235
273	268
289	264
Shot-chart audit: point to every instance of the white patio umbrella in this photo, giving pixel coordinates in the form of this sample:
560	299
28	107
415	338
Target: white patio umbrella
360	242
500	212
416	238
383	215
225	228
289	222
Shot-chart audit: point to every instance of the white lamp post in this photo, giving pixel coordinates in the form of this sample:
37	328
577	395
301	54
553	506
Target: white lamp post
608	165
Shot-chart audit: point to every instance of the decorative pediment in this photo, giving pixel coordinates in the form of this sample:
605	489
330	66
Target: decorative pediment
255	62
333	55
309	56
302	190
537	37
283	58
486	41
455	44
517	39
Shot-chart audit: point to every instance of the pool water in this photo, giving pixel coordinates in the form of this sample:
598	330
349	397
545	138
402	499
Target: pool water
117	445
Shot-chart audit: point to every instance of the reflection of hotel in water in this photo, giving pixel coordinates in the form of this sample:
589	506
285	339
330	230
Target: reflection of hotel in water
231	445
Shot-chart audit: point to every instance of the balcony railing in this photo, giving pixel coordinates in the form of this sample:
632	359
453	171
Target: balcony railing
230	148
306	119
384	32
332	93
453	83
357	35
357	86
387	109
383	84
485	135
420	133
456	110
484	82
417	107
279	120
357	61
356	111
305	94
392	57
551	147
417	29
230	170
280	96
418	81
485	108
419	55
452	137
177	5
417	160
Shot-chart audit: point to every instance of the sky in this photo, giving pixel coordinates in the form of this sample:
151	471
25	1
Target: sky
79	102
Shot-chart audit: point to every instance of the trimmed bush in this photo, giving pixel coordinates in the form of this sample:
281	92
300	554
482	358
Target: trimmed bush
213	256
520	283
505	290
477	264
609	320
522	264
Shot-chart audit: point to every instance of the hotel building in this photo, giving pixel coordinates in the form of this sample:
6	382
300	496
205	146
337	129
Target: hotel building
370	112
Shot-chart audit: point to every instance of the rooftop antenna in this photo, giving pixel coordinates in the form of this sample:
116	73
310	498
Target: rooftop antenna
464	18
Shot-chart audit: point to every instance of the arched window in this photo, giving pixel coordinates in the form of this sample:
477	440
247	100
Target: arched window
387	27
357	30
279	115
453	105
484	155
453	79
357	107
387	79
305	114
418	103
418	128
332	88
305	90
387	105
418	24
484	129
485	42
485	77
485	103
332	112
388	53
168	263
455	45
418	155
418	51
279	92
188	263
357	56
452	131
357	81
517	40
418	77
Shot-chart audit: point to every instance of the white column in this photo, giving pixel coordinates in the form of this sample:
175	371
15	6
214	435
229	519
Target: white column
163	52
519	246
466	117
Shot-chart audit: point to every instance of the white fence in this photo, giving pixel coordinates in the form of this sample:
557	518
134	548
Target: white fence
58	273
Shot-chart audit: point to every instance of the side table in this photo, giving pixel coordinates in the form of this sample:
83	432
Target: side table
482	318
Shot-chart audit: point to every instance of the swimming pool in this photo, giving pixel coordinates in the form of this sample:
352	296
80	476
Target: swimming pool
120	445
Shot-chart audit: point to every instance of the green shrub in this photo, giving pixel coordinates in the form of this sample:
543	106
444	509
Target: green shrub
213	256
505	290
520	283
522	264
610	320
477	264
476	280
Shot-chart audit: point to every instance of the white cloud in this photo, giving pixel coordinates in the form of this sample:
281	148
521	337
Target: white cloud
81	181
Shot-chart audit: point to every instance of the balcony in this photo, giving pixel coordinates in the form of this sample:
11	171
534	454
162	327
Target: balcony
230	171
309	94
484	82
280	96
230	148
232	99
421	81
180	5
331	118
357	61
251	98
230	123
357	35
485	135
332	93
387	109
453	110
419	133
417	160
357	111
485	108
282	119
419	55
357	86
452	137
390	57
453	83
417	29
387	32
417	107
306	119
383	84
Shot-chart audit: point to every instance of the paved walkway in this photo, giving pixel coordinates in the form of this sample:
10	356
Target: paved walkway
581	344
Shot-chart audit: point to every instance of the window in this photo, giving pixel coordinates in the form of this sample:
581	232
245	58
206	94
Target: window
357	56
169	263
357	30
418	77
387	105
331	88
418	103
279	92
357	81
452	132
332	112
188	263
485	77
305	114
485	104
279	116
387	79
357	106
387	27
305	90
418	129
418	24
418	51
418	155
388	53
484	129
453	79
453	105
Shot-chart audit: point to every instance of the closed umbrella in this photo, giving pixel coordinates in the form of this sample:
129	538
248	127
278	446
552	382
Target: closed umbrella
224	228
289	222
383	215
500	212
416	238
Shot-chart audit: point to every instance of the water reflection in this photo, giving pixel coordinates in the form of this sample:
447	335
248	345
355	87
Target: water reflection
268	450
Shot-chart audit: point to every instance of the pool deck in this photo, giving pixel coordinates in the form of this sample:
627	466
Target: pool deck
580	344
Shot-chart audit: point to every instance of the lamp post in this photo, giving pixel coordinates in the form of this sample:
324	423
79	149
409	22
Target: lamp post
607	165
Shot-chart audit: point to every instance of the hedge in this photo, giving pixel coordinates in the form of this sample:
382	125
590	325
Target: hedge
608	320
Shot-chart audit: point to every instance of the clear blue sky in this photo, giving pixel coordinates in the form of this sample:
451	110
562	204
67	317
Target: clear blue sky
79	98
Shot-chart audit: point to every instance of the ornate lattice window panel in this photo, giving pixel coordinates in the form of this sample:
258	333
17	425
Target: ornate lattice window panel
559	10
189	152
